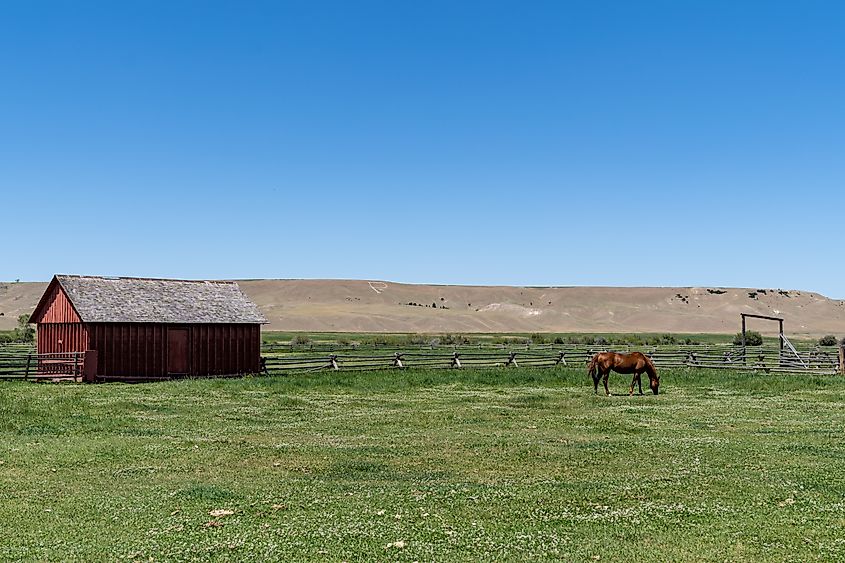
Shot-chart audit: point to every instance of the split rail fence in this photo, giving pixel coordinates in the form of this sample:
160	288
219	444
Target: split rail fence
18	362
769	359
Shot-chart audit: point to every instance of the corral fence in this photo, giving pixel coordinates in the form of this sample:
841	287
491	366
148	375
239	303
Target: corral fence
21	362
28	365
768	359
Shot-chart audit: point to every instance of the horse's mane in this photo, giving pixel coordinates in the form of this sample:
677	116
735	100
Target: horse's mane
649	367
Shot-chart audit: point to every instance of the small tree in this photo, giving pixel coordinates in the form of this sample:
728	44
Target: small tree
24	332
752	338
828	340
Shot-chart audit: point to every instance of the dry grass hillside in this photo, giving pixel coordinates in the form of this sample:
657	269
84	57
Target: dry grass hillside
364	306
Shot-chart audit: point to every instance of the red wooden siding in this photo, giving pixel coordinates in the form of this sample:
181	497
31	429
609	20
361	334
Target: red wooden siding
224	349
57	308
141	349
62	337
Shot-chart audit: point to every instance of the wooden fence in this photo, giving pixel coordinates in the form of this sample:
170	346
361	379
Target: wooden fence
767	359
35	367
23	363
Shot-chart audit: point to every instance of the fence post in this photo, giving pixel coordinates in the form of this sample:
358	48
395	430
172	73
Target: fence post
333	360
89	366
456	360
28	360
842	358
75	365
397	360
561	358
512	360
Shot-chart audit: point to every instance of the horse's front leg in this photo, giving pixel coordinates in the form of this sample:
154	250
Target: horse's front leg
639	383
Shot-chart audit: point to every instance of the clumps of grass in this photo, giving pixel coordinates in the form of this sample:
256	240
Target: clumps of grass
204	492
400	340
451	339
623	339
300	340
537	338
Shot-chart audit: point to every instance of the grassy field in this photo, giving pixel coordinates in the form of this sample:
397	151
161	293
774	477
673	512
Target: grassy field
441	465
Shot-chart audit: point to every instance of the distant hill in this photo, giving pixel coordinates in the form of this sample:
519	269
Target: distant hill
376	306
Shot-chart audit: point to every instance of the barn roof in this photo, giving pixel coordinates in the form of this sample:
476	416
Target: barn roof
145	300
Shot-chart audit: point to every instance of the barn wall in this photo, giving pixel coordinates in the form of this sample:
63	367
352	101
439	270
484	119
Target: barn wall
129	349
140	349
62	337
224	349
58	309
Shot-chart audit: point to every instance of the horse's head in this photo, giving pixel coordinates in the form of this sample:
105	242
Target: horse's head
654	383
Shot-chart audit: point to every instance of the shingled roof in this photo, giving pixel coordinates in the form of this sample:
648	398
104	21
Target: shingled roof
144	300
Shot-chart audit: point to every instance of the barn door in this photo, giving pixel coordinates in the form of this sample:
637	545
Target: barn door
177	351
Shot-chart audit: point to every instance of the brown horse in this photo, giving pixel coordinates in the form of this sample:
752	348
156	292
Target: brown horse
602	364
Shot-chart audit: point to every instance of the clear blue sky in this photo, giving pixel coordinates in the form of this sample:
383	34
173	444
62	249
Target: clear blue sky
560	143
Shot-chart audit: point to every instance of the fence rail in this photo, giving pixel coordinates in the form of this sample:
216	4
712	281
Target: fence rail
23	363
758	358
30	366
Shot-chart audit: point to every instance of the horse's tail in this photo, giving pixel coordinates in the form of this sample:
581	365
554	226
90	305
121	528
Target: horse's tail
592	366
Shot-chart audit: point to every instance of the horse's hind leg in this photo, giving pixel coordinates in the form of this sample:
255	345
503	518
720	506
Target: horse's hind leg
604	380
596	378
634	379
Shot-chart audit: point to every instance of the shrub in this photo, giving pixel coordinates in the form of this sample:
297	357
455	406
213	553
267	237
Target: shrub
537	338
752	338
450	339
828	340
558	340
418	340
300	340
667	339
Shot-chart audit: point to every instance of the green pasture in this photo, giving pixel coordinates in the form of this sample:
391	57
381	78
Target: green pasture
399	339
470	465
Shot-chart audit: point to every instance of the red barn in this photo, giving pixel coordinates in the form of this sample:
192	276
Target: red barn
151	328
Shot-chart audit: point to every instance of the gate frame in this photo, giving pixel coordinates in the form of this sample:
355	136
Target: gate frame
765	317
